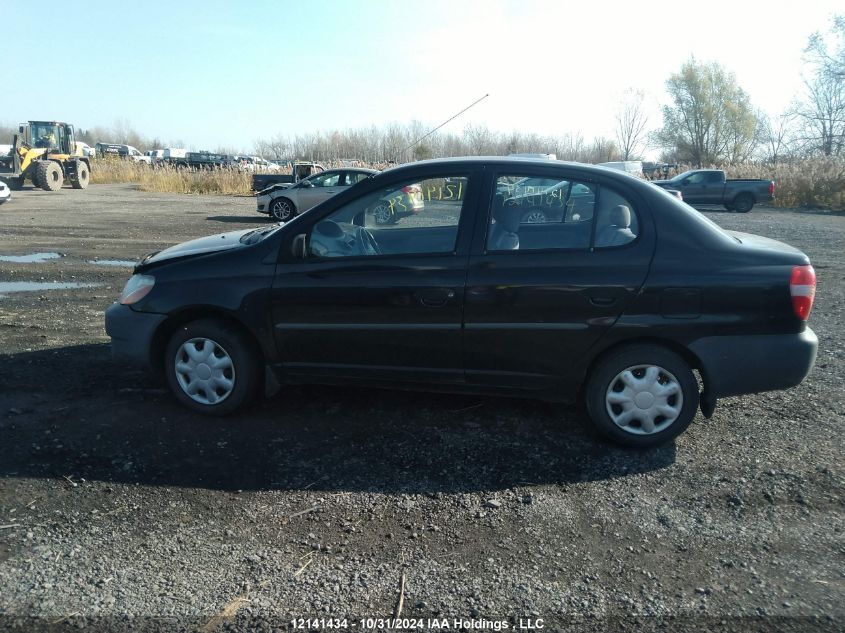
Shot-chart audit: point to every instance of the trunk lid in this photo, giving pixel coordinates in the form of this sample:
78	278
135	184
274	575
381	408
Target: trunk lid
765	245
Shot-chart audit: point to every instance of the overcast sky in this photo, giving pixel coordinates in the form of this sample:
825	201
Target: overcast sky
227	73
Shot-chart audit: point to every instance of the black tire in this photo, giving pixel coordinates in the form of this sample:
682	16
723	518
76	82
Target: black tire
15	184
246	367
282	209
672	371
743	203
50	176
35	176
82	177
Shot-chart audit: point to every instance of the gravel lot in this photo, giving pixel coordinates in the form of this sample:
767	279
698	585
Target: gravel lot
119	510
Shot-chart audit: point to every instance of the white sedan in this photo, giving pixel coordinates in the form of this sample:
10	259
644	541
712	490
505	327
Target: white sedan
285	201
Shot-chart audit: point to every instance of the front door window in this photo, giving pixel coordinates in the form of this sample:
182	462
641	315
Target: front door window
416	217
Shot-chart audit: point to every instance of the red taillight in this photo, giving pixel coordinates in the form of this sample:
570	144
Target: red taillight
772	188
802	287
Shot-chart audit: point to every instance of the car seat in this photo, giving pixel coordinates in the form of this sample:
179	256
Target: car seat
504	236
615	227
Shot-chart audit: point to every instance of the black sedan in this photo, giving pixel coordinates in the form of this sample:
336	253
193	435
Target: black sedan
619	303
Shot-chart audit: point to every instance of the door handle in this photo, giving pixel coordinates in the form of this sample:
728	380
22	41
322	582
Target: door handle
602	301
435	298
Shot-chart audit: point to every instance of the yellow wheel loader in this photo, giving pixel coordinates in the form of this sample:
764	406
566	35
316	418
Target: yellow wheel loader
46	153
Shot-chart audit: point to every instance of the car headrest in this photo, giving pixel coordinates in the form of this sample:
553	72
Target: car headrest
505	215
620	216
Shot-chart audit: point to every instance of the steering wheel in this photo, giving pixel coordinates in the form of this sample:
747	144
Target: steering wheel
369	244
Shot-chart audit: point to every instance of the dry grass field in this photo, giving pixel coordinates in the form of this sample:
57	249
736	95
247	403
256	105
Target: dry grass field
816	183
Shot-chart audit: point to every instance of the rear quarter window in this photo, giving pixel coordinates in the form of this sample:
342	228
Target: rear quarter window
698	220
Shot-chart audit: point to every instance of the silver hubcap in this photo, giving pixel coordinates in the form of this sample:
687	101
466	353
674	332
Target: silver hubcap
205	371
535	217
644	399
382	214
281	210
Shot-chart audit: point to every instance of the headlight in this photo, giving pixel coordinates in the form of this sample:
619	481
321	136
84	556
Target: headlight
136	289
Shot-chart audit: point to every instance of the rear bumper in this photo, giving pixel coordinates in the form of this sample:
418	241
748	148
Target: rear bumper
132	334
733	365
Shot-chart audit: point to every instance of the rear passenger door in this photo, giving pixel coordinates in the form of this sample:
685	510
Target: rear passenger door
551	269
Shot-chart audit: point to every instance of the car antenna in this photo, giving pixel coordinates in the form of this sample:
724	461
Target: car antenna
426	135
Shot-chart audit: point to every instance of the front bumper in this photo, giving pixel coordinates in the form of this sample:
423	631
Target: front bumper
733	365
132	333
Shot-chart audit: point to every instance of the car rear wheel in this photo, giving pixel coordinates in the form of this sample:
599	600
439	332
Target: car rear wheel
535	216
743	203
642	396
282	209
212	368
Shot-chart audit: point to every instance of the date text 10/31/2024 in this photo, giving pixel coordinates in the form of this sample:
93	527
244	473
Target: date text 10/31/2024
419	624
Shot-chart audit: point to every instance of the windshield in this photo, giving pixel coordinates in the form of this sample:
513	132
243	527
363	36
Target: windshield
44	135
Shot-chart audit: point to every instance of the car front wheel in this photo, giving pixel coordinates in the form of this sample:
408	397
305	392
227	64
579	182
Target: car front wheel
282	209
212	368
642	396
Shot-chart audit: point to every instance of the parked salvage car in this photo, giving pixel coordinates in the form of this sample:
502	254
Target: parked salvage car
285	201
408	201
620	309
117	150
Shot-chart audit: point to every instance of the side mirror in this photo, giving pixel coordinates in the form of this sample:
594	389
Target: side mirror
297	247
307	184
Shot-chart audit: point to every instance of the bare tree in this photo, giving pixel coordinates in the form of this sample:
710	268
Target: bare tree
821	111
774	134
631	123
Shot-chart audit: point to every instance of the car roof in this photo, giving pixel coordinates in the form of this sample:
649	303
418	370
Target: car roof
362	170
503	161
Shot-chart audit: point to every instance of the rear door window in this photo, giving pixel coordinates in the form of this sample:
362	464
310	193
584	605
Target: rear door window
542	213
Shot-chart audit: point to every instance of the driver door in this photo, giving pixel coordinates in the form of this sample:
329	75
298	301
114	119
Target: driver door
324	187
391	311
